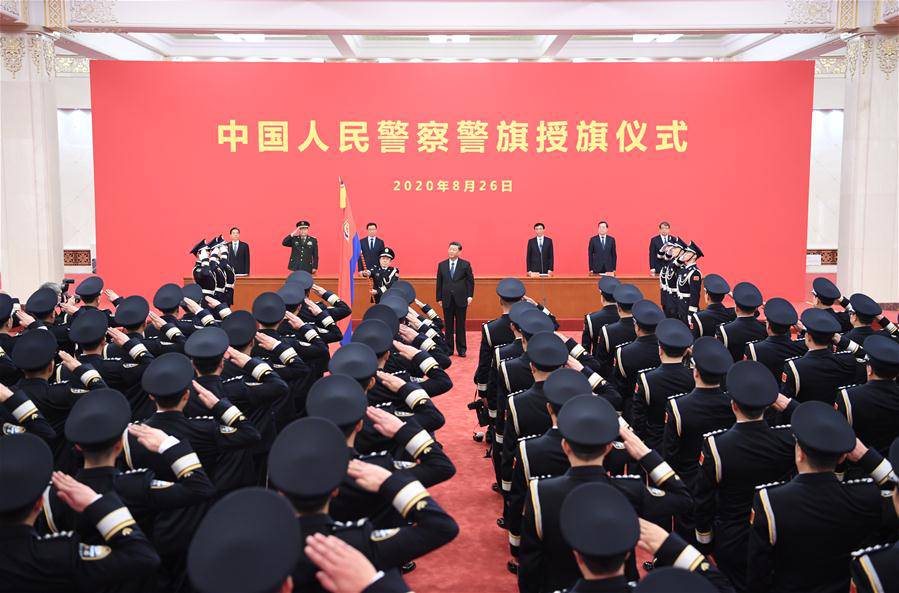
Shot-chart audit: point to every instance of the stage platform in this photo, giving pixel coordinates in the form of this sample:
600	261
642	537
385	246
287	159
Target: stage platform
568	297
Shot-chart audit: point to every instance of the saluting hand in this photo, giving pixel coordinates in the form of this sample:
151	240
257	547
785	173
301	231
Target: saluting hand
73	493
343	568
391	382
206	397
156	320
405	351
5	393
651	536
70	362
315	309
151	438
369	477
266	342
213	302
407	333
318	289
24	318
574	363
192	305
384	422
292	320
635	447
236	356
111	294
118	336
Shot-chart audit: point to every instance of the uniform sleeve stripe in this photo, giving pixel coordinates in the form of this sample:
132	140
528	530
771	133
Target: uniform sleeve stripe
416	397
577	350
288	355
714	448
230	415
259	370
752	353
419	443
89	376
514	414
408	496
185	464
688	559
514	540
589	321
522	450
793	370
24	411
605	338
882	472
126	447
535	502
645	387
871	574
848	404
769	516
114	522
505	374
698	323
427	364
676	413
487	335
724	336
48	510
661	473
620	362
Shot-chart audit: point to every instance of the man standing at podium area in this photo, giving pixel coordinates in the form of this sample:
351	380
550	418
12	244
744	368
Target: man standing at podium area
655	247
602	258
239	253
303	249
455	289
372	247
540	259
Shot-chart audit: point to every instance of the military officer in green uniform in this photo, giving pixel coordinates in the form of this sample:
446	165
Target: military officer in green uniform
303	249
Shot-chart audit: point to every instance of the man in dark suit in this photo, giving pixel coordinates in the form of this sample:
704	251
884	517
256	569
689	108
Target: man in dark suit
601	255
239	253
540	258
303	249
372	247
655	245
455	289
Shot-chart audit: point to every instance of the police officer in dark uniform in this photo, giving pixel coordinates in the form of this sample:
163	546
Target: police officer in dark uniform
341	400
642	353
18	414
9	374
496	332
706	322
875	569
734	461
260	523
689	417
655	385
602	528
310	460
303	249
689	282
168	299
89	291
527	412
203	274
670	253
804	531
540	454
96	424
819	374
826	295
608	313
61	562
745	328
774	350
618	332
863	311
383	275
872	408
42	306
34	355
589	425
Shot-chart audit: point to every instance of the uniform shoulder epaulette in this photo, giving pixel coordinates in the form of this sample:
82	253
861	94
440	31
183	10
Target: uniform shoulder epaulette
755	341
646	370
340	525
869	549
139	470
782	427
374	454
201	418
56	535
859	481
770	485
677	395
528	437
234	378
841	387
623	344
786	360
383	405
714	432
627	477
520	391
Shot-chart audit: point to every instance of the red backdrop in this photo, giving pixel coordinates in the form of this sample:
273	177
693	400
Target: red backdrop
739	188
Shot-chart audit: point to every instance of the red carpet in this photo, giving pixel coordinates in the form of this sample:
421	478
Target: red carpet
476	559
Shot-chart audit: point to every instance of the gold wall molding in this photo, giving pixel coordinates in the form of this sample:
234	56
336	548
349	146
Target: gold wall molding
887	57
12	7
852	57
72	65
12	49
92	12
847	15
830	66
810	12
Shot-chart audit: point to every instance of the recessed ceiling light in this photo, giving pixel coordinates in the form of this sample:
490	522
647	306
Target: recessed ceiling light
385	60
416	60
642	60
220	59
668	37
238	37
317	60
447	60
438	38
460	38
481	60
644	38
675	59
610	60
351	60
707	60
283	59
185	59
512	60
545	60
579	60
253	37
